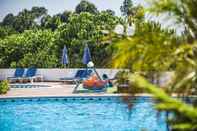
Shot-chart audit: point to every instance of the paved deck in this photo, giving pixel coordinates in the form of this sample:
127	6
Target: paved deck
50	89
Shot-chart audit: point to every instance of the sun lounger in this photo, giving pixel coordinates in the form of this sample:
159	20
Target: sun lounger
80	89
79	76
31	75
93	84
18	74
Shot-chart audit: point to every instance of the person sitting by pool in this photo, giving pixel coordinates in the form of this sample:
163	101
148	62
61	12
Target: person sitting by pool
93	82
105	77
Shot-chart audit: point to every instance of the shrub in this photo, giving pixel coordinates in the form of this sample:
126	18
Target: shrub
4	87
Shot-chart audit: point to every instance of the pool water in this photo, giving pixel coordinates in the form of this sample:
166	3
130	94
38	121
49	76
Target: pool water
80	114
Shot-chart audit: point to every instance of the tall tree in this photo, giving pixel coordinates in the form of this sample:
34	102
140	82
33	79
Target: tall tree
8	20
53	22
109	11
38	11
25	19
86	6
126	7
30	48
6	31
86	28
65	16
133	14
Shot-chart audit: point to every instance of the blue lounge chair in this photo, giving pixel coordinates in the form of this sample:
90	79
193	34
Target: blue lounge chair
30	74
85	74
79	76
17	74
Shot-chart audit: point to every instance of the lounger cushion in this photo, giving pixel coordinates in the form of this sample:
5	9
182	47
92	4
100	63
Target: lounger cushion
19	72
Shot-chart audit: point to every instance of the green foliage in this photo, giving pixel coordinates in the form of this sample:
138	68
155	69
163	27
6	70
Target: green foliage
4	87
184	12
132	13
110	12
41	59
150	49
86	28
6	31
8	20
29	48
48	22
25	19
38	11
43	48
34	38
183	58
126	7
184	82
85	6
153	49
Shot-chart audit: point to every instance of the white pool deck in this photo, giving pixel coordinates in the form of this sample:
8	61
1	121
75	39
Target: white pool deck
52	89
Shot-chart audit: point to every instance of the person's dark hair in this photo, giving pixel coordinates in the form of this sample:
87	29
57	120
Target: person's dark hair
105	76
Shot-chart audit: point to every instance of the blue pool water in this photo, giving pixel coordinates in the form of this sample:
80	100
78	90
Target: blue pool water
80	114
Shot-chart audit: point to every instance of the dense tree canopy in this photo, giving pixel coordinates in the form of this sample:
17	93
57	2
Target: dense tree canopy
34	38
25	19
85	6
126	7
31	48
88	31
8	20
6	31
53	22
110	12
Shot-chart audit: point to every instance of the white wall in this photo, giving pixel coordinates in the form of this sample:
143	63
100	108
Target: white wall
56	73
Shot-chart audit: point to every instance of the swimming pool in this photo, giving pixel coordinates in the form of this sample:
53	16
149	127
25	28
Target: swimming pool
80	114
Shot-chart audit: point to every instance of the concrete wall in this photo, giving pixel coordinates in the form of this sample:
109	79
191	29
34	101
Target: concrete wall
55	73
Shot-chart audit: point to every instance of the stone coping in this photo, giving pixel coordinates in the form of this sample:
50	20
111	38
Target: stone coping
81	95
77	95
